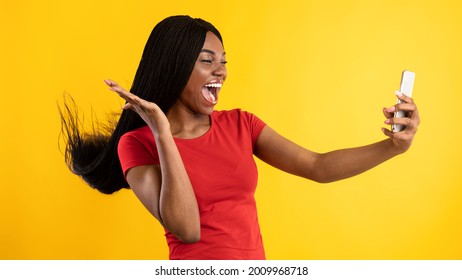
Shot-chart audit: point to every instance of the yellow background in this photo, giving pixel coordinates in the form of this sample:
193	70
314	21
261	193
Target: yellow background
318	72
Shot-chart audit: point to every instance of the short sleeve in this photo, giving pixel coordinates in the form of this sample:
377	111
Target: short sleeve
135	150
256	126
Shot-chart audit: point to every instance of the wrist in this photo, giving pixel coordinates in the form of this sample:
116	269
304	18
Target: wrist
394	148
163	136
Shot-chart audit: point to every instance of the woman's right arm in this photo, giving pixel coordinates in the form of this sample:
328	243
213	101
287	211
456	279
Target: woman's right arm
165	189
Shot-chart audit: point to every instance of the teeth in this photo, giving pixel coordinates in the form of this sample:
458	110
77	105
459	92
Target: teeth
212	97
215	85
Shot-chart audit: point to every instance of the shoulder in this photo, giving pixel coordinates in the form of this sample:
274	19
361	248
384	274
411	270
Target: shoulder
137	133
240	120
137	147
140	136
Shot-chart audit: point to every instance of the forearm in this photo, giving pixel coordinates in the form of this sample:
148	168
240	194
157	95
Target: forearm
345	163
177	202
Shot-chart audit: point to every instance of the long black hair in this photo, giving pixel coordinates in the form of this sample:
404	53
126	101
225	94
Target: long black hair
164	70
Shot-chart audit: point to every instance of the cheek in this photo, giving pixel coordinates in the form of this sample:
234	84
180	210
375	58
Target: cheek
197	79
191	92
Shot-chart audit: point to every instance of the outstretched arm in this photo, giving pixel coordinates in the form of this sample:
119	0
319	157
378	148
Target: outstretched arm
340	164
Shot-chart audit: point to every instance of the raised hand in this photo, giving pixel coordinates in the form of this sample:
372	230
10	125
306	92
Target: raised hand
148	111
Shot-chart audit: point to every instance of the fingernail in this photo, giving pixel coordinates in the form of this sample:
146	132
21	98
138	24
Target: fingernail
398	93
387	121
391	109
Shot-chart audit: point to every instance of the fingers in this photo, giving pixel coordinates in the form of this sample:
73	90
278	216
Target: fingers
388	114
128	106
410	120
409	123
403	97
410	129
387	132
142	107
118	89
405	104
128	96
401	140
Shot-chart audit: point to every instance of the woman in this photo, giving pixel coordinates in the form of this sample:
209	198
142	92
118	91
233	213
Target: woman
192	167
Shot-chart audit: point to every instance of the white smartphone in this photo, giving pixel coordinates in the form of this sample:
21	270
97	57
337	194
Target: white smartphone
407	84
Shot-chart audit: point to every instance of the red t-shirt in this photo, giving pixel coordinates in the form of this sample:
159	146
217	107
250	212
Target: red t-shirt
223	174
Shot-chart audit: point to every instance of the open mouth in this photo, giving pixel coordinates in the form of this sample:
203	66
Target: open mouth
210	92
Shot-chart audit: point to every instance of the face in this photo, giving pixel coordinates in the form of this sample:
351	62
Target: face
202	90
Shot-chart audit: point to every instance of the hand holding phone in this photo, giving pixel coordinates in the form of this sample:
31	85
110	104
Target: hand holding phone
407	84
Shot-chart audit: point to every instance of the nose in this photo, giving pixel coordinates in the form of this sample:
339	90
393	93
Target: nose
220	71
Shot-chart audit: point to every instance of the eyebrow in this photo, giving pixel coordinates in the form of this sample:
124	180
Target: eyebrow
211	52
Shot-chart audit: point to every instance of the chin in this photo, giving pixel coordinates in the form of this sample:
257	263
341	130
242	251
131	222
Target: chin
208	111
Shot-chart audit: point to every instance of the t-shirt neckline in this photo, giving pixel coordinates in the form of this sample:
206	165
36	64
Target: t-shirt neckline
201	136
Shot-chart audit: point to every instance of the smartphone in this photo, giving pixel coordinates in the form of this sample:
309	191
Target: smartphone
407	84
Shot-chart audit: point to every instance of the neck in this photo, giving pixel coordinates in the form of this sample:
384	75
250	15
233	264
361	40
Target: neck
186	124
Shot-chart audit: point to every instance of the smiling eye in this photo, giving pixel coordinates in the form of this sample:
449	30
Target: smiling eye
224	62
206	60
